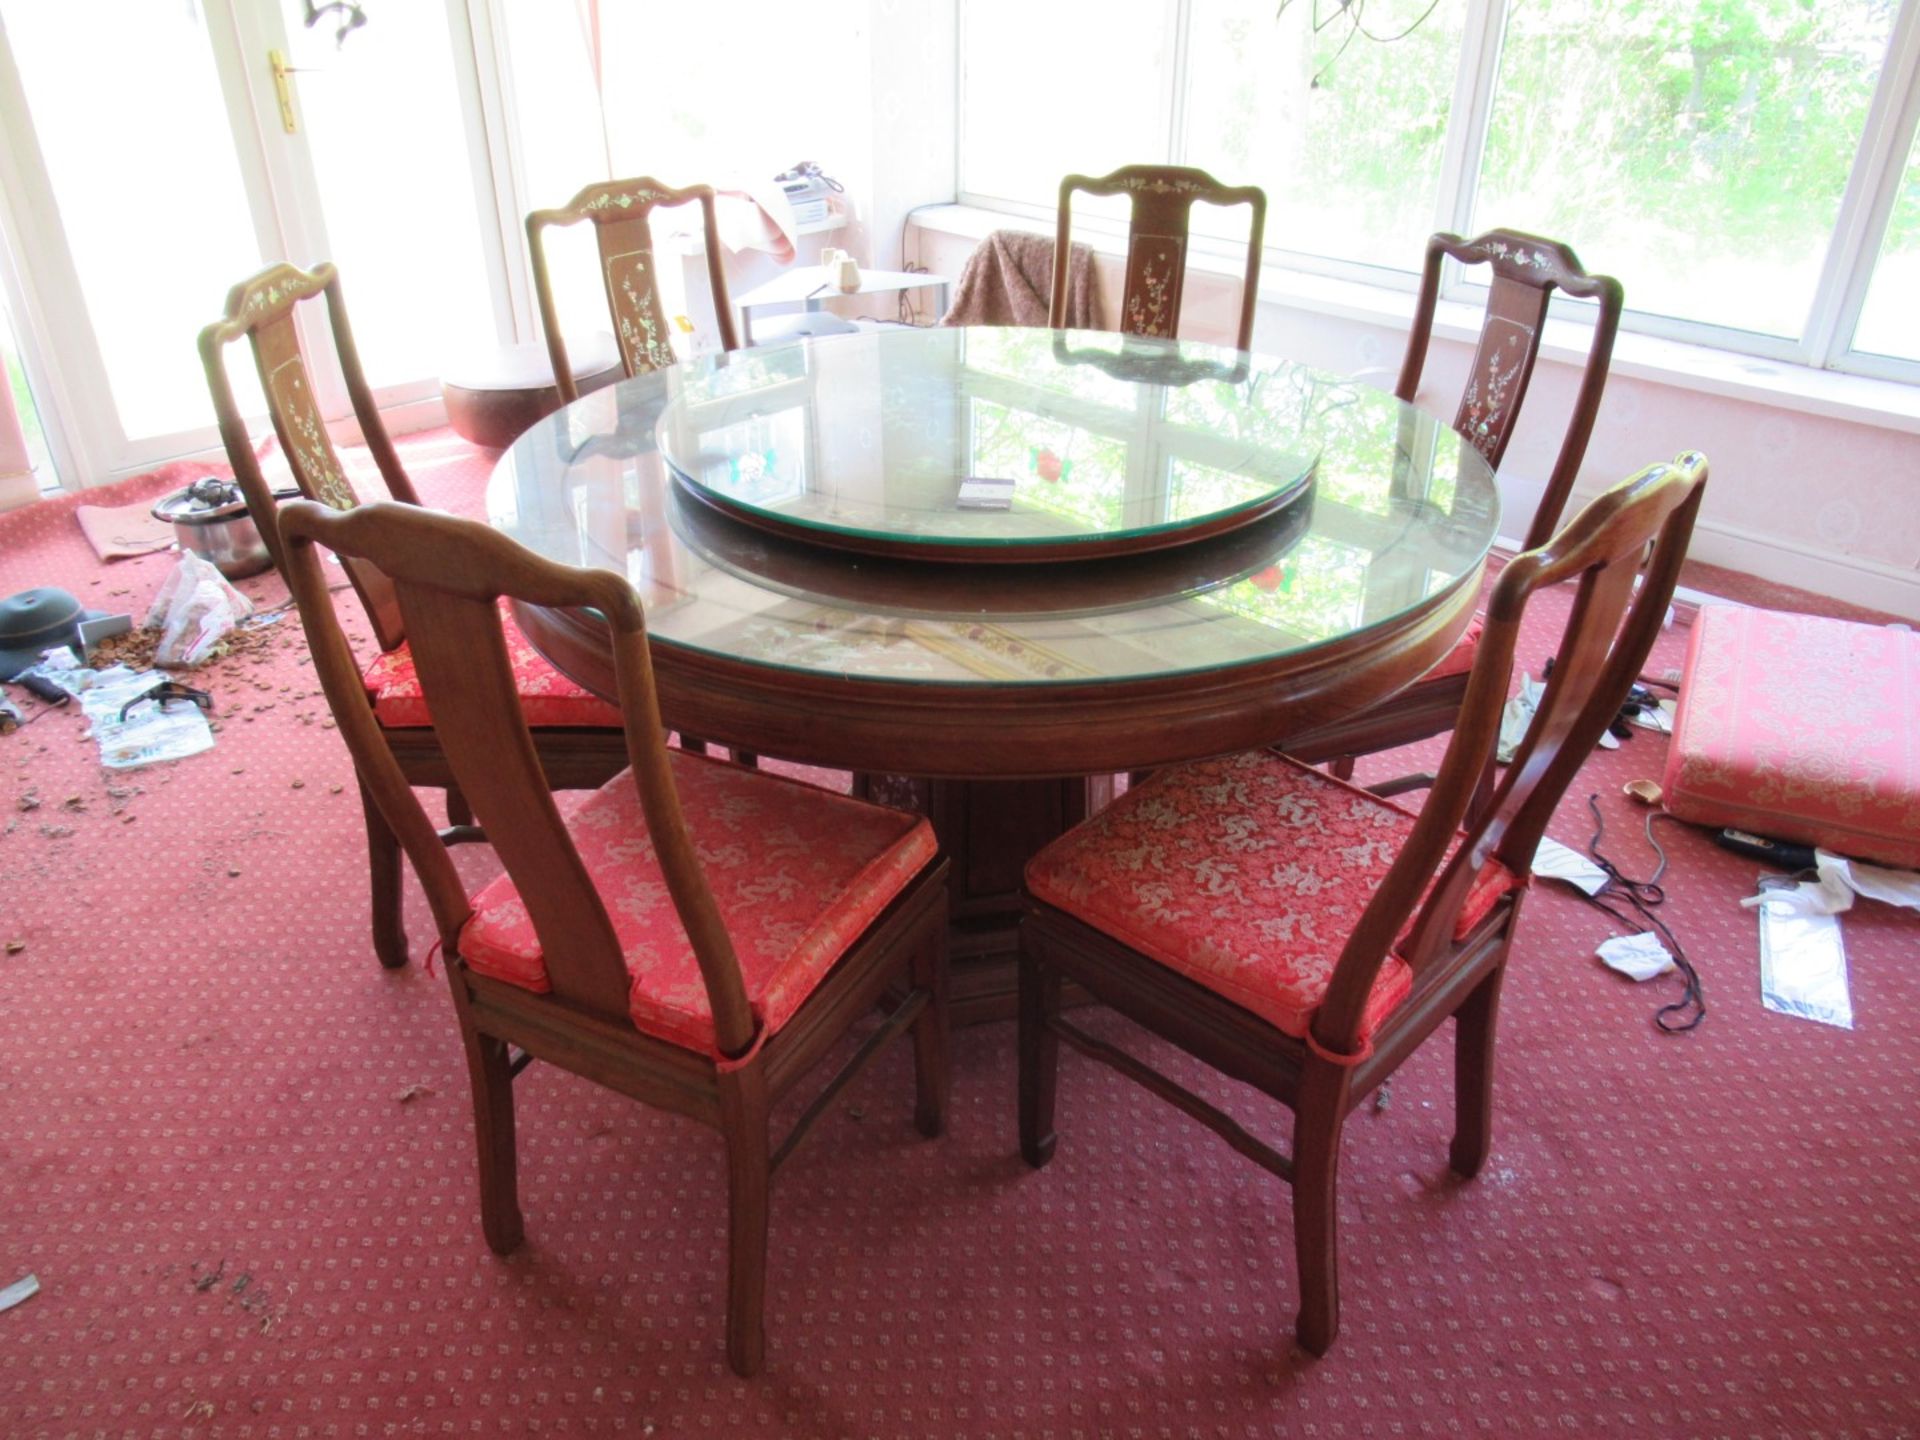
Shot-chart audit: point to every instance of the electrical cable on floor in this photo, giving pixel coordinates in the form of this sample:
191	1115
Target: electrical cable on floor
1643	896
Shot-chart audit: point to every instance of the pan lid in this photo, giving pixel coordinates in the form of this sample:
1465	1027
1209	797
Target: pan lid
34	621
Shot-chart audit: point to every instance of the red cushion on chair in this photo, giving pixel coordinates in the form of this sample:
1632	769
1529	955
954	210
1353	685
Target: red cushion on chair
1246	875
798	874
1459	660
547	697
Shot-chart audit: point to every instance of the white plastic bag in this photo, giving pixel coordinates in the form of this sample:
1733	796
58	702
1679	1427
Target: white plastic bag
193	610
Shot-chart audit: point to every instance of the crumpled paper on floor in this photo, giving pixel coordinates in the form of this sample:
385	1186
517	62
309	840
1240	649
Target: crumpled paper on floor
1840	880
1555	861
1639	957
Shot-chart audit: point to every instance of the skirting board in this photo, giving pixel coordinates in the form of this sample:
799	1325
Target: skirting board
1871	583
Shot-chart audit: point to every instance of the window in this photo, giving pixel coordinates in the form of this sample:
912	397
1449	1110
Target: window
155	243
1890	319
1349	152
1731	161
1024	65
726	95
1696	149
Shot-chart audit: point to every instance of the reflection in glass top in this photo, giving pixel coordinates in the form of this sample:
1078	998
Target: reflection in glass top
992	439
1402	510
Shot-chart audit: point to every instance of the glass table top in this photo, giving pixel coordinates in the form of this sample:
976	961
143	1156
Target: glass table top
982	447
1399	508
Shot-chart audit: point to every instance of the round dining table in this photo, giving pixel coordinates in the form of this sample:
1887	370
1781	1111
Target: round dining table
977	566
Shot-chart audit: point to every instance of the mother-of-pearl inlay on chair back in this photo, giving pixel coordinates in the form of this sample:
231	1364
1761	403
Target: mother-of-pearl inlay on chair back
620	211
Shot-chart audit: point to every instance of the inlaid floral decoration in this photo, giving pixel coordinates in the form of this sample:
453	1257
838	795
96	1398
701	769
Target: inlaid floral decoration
1525	257
638	318
1486	409
1149	305
625	199
309	447
1160	185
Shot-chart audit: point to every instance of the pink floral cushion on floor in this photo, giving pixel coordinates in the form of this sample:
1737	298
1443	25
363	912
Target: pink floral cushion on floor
797	872
1246	875
1801	728
547	697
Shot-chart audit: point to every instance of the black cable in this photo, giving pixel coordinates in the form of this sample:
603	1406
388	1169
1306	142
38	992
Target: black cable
1643	896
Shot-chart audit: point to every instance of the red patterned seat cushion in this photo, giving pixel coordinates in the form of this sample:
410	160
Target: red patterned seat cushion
1459	660
1801	728
547	697
1246	875
798	874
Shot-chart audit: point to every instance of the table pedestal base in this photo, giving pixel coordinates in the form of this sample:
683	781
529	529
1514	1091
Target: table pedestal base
988	830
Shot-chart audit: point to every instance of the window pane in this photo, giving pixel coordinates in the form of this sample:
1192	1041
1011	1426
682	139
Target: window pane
726	95
1346	142
128	118
1695	149
383	125
1890	323
1050	90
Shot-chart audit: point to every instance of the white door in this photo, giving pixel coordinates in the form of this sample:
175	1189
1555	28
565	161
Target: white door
149	164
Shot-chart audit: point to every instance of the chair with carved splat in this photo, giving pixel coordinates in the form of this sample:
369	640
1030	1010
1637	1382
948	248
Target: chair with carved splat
1163	197
1526	271
620	212
695	935
1306	937
578	735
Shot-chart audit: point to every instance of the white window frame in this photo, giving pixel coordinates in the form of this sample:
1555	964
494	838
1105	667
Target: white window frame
1859	229
65	369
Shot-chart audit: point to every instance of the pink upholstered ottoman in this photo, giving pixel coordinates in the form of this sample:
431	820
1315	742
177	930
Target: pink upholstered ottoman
1801	728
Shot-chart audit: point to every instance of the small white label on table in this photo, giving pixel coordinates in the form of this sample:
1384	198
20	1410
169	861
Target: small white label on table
985	492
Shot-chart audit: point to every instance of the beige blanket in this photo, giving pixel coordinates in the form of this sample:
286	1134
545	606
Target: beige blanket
1009	277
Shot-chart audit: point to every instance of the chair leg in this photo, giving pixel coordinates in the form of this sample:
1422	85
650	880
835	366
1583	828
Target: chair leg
1341	768
1474	1024
932	1062
1316	1172
743	1118
459	812
1039	1053
488	1068
383	870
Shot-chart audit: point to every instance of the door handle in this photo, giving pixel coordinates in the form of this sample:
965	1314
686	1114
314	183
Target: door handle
283	88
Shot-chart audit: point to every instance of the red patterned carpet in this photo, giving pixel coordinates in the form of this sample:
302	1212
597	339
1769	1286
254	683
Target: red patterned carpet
237	1154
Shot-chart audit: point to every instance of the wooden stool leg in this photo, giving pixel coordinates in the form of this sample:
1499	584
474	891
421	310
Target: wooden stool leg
743	1119
1316	1173
1039	1053
383	870
932	1062
1474	1025
488	1068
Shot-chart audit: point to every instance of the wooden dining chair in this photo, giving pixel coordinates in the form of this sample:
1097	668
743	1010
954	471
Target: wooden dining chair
578	735
1163	197
1305	936
620	212
1525	270
697	935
